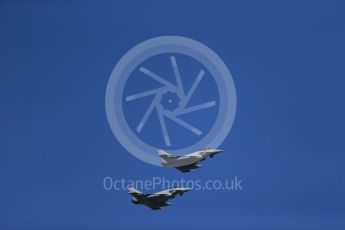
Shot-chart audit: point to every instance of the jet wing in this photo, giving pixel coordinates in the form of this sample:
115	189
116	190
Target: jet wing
171	157
156	201
156	206
158	198
188	168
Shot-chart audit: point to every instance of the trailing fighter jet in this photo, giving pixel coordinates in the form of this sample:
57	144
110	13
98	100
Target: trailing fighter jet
186	163
157	200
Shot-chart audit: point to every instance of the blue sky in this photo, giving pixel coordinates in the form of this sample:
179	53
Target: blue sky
287	143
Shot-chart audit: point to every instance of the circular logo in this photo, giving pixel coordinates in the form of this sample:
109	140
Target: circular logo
170	93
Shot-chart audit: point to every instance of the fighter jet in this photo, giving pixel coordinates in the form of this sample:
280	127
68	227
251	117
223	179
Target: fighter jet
157	200
186	163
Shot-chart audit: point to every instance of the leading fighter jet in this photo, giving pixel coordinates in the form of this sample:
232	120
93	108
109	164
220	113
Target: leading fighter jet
186	163
157	200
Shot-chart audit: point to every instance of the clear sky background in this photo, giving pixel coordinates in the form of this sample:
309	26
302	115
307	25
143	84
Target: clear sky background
287	143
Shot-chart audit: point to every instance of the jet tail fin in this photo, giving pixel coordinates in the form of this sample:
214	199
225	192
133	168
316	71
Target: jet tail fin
134	191
163	154
137	195
166	156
